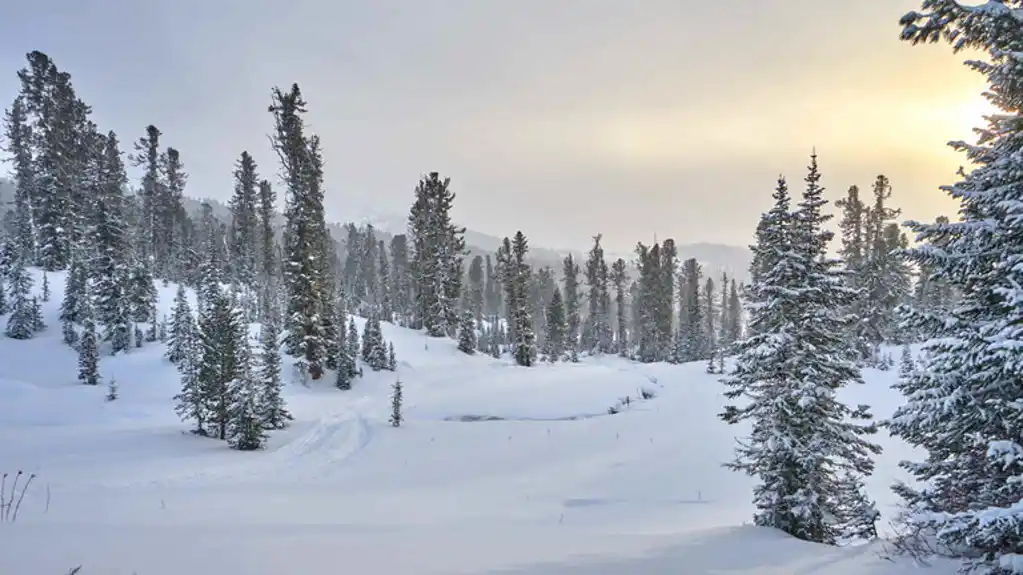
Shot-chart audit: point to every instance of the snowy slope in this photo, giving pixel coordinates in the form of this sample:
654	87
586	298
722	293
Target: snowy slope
498	469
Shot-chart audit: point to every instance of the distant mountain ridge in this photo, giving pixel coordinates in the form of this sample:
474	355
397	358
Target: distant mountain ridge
715	258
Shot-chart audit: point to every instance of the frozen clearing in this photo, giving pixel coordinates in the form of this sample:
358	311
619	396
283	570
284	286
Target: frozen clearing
498	469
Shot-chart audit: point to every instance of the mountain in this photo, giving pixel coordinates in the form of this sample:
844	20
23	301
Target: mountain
716	258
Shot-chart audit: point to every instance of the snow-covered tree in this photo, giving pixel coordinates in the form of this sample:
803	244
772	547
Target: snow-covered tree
274	413
22	322
374	348
88	345
787	375
554	343
305	232
182	328
437	250
396	402
965	402
467	333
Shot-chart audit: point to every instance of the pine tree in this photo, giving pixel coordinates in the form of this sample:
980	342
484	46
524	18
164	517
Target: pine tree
305	230
691	344
396	400
384	284
244	224
88	346
467	333
345	360
374	350
516	284
392	360
19	137
906	364
267	245
3	301
618	279
475	289
964	400
46	287
353	347
597	335
193	403
113	391
182	329
788	372
437	250
74	292
554	344
22	322
245	428
573	322
401	283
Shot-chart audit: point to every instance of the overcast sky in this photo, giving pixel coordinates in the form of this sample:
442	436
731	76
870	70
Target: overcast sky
561	118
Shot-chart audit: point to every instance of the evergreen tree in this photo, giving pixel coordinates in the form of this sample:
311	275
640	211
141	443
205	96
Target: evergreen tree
345	359
573	321
353	346
374	349
244	221
19	138
392	360
60	127
305	230
3	302
113	391
618	279
147	157
467	333
245	427
554	344
964	401
597	334
120	296
788	372
22	322
182	329
710	325
475	289
437	250
384	284
906	364
88	347
692	342
267	245
46	287
396	400
516	283
401	282
74	292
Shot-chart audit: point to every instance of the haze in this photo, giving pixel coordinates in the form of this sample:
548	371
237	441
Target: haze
563	119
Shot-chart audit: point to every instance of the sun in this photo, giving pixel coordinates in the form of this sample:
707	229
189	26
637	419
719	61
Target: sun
971	114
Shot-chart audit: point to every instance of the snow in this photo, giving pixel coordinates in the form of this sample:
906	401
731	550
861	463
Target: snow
497	469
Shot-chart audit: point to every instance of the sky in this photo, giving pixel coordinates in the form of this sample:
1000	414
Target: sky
637	120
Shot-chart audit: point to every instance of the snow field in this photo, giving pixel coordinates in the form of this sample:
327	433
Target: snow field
497	469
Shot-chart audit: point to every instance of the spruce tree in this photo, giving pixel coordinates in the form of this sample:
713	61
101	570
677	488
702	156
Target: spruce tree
245	428
374	349
74	292
597	334
964	400
618	280
21	324
467	333
392	359
573	322
787	375
396	403
45	296
244	221
88	346
554	343
437	250
517	282
353	347
305	230
182	329
345	360
113	390
19	138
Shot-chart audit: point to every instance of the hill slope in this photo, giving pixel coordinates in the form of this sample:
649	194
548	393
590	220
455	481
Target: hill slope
499	469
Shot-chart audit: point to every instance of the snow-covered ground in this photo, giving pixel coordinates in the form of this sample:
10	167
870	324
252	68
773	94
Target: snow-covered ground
556	485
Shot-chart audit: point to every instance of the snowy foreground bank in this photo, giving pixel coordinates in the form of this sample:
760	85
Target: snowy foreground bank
498	469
